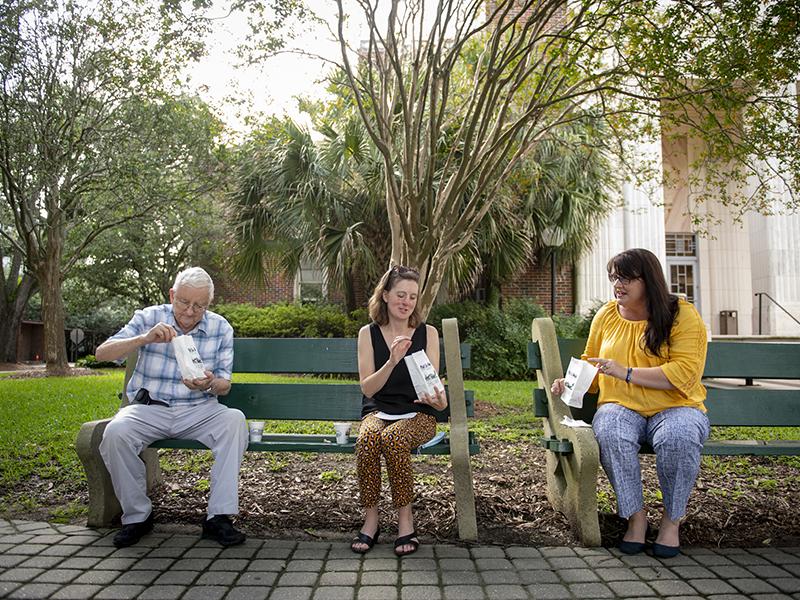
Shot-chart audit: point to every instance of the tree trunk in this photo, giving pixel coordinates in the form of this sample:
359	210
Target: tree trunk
12	309
50	280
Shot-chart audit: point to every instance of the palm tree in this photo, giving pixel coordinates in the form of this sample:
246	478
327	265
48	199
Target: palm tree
297	199
565	184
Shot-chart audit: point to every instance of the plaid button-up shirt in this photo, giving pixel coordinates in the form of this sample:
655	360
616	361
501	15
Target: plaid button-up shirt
157	370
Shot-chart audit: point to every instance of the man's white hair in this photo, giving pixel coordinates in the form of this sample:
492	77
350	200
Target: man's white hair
195	277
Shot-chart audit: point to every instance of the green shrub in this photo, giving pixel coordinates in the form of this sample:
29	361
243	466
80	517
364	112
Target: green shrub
577	325
499	337
90	362
292	320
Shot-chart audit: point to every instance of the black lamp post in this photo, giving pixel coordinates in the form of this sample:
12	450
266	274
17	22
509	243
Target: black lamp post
553	237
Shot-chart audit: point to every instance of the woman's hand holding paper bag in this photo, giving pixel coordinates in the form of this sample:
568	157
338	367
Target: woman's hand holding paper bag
438	401
605	366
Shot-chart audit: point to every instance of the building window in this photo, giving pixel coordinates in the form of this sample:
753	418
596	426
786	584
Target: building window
681	244
682	265
310	283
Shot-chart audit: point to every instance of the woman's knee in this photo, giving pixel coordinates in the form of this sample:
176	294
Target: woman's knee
613	423
368	442
680	429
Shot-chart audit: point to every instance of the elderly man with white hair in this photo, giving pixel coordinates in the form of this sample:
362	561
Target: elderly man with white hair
164	405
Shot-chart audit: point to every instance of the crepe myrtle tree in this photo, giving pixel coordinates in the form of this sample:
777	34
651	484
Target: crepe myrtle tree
454	93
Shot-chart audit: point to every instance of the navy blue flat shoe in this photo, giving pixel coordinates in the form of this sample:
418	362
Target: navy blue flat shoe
631	547
662	551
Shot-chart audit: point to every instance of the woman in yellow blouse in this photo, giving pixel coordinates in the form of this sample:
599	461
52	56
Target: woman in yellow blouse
650	347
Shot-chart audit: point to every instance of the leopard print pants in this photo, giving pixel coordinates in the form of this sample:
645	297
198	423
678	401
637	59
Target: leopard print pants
394	440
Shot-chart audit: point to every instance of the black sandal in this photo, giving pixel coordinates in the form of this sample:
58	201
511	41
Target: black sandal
404	541
363	538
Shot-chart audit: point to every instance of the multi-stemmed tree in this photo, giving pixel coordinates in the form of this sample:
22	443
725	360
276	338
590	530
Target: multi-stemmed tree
455	93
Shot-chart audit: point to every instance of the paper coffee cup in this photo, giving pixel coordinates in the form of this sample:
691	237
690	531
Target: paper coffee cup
256	430
342	429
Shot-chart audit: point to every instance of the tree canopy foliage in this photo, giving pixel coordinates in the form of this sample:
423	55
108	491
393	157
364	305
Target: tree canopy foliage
93	131
455	93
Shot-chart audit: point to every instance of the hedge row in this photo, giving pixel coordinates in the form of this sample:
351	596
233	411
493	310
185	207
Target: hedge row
292	320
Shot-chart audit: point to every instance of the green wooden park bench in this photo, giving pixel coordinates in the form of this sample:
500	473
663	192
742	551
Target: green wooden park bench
742	392
304	401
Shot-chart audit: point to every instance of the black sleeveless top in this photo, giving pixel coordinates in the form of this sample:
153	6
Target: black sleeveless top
397	395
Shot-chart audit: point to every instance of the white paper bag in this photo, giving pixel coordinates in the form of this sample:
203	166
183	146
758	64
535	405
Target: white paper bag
579	377
189	361
423	375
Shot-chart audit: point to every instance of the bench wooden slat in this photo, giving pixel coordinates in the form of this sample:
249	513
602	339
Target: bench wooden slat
710	448
291	355
290	442
748	406
754	360
308	401
753	407
739	360
752	447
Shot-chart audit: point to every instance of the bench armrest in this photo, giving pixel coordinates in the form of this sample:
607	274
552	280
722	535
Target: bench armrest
459	435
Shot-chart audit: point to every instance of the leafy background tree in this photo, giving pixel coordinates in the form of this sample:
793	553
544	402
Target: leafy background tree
92	137
297	198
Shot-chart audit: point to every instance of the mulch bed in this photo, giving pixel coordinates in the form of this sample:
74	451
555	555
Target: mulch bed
315	496
299	496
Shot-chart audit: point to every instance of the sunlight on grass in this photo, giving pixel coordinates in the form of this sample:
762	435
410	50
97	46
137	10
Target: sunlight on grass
46	414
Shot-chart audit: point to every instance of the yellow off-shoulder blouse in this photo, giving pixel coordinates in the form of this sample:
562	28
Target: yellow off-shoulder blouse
682	361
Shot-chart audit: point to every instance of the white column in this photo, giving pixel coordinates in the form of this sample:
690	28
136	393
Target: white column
775	256
637	223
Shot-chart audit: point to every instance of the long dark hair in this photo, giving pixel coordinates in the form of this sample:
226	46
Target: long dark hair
662	307
377	308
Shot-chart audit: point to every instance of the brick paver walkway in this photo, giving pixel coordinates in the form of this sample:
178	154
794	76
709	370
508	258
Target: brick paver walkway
41	560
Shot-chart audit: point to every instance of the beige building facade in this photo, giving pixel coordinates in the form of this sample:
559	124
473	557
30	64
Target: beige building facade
743	274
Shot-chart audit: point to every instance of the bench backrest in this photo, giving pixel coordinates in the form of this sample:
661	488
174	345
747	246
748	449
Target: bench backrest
728	403
313	356
303	400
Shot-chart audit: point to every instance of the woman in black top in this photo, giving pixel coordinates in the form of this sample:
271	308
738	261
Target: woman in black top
394	420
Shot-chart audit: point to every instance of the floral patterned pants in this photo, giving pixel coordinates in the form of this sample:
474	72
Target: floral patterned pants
394	440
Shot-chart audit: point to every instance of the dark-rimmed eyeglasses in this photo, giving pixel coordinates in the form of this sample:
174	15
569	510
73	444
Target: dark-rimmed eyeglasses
613	278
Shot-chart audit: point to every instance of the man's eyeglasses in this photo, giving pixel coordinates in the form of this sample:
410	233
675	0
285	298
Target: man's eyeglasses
613	278
185	304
